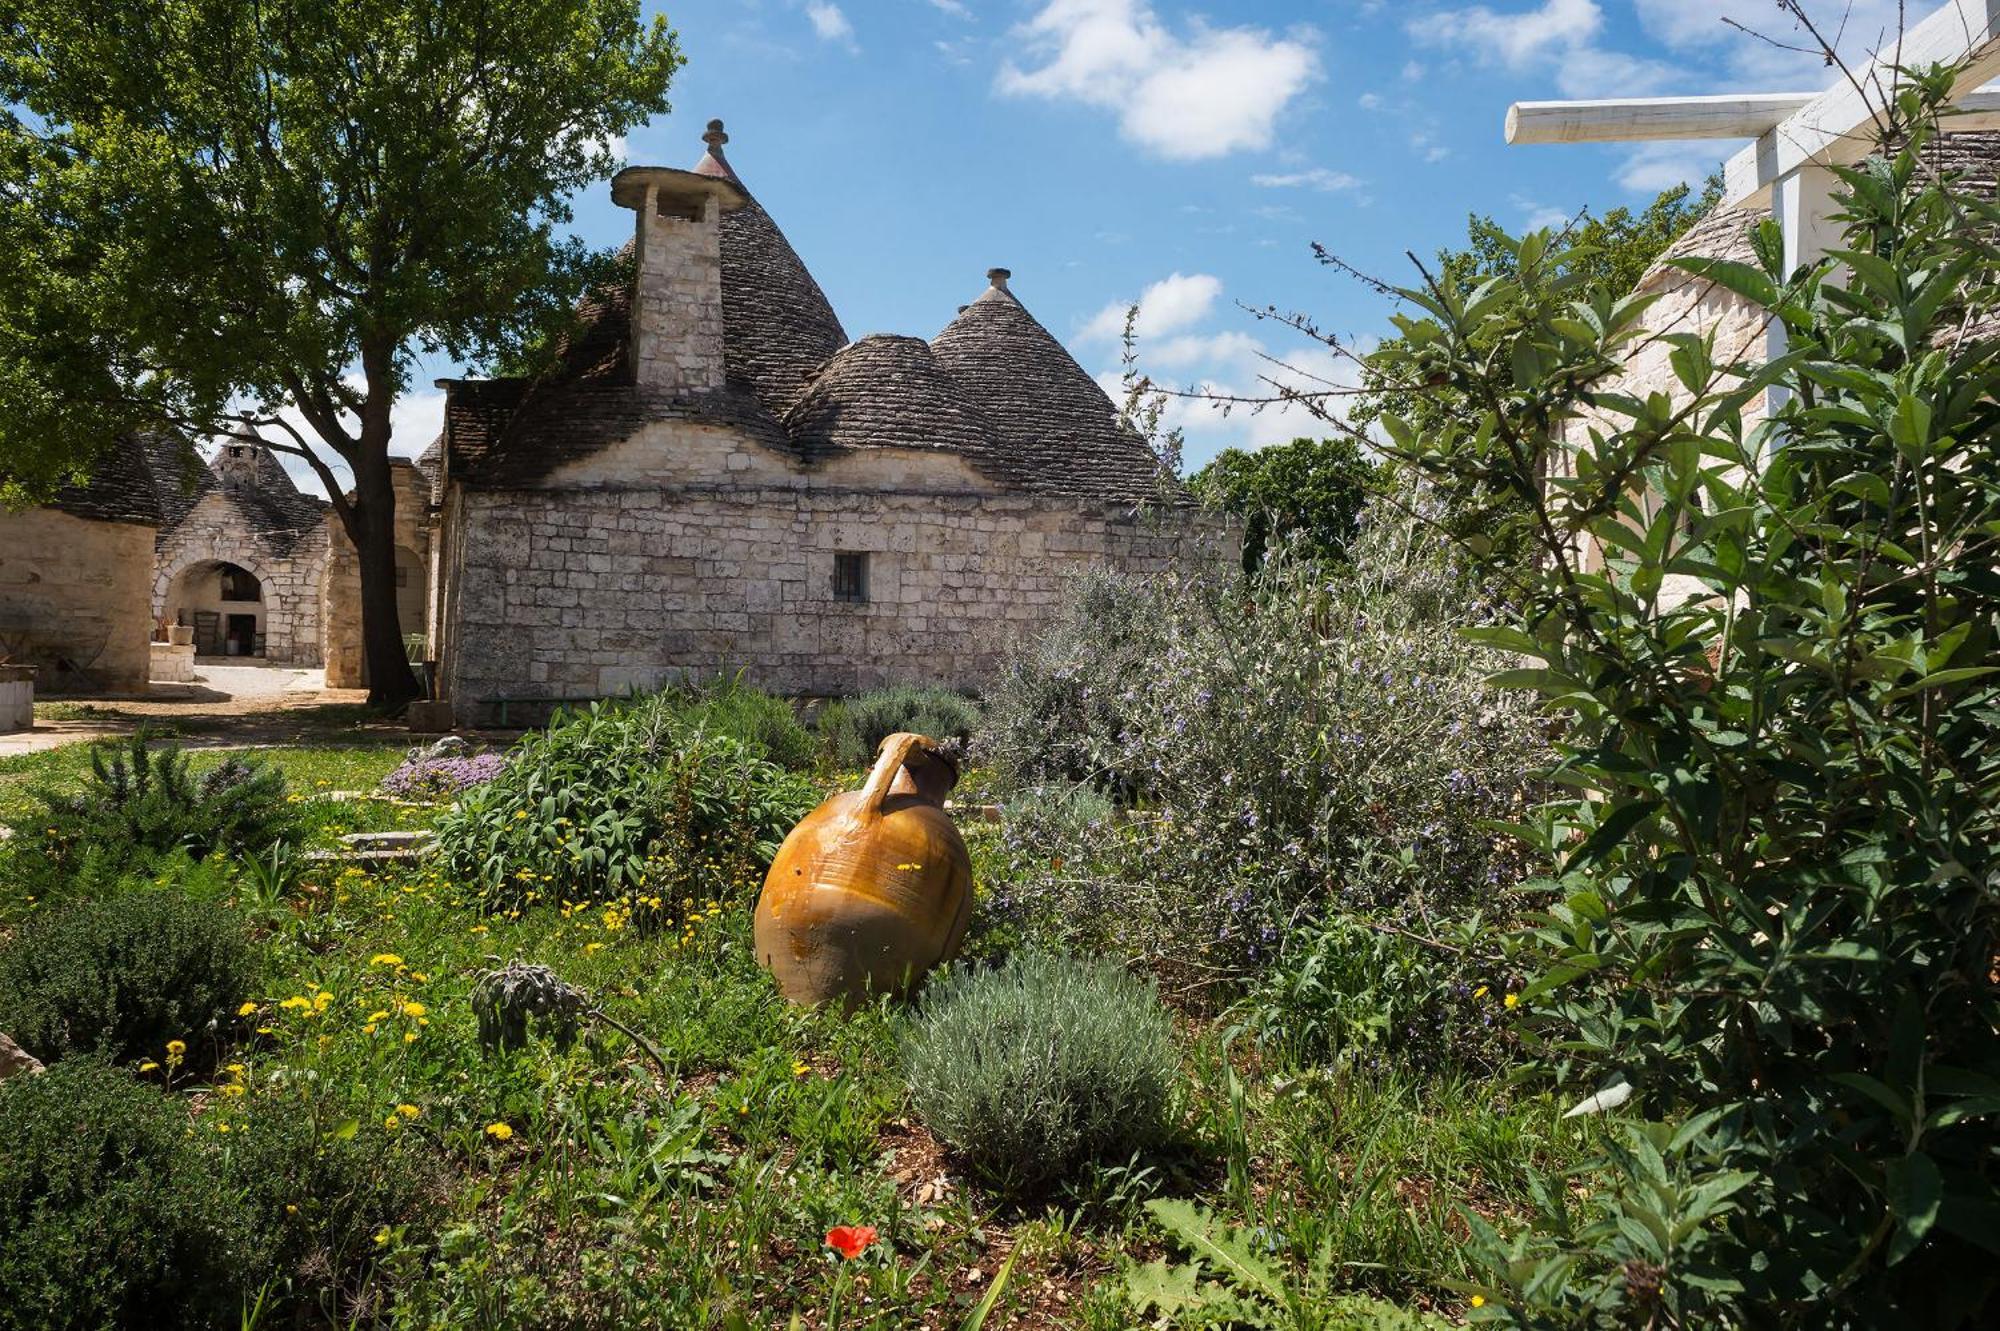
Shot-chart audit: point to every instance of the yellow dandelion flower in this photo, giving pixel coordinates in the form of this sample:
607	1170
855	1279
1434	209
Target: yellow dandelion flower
369	1029
246	1009
592	947
378	1014
148	1066
412	1008
1480	992
296	1002
267	1030
234	1069
408	1111
499	1132
1513	1000
420	977
385	959
382	1237
391	1122
230	1088
409	1037
177	1047
799	1069
1479	1300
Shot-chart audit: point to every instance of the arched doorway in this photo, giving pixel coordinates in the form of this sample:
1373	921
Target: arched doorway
223	603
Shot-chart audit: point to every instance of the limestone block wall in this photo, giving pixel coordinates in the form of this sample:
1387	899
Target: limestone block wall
589	593
76	590
677	306
291	578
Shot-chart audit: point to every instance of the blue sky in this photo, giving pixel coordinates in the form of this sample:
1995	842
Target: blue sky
1183	154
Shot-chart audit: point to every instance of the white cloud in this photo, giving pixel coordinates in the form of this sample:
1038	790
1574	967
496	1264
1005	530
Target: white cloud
1537	216
830	23
1559	37
1653	167
1369	101
1319	178
1200	94
1175	302
1412	70
951	7
1425	145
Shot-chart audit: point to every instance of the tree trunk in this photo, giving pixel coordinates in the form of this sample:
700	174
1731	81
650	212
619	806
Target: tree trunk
372	528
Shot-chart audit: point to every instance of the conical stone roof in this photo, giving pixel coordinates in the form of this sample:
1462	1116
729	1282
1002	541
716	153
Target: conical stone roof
777	326
1050	417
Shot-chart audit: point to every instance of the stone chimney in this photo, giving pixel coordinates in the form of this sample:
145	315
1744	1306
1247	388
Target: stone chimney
677	285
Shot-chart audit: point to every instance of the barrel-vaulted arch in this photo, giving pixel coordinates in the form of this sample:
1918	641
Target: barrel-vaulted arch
260	613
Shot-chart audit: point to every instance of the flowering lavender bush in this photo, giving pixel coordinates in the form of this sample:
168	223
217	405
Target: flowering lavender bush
433	778
1305	744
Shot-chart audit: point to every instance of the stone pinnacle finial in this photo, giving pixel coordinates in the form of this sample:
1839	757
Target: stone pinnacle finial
998	277
715	138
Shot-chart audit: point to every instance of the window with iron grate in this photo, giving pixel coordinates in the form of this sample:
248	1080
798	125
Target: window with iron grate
850	575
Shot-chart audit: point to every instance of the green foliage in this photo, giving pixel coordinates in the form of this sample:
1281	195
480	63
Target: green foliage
1309	744
1229	1280
851	731
1612	252
766	725
1309	492
115	1212
140	805
123	976
1774	904
627	800
1042	1065
108	1213
1347	991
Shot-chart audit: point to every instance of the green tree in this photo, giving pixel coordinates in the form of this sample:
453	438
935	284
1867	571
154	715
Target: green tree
222	215
1613	252
1772	913
1310	491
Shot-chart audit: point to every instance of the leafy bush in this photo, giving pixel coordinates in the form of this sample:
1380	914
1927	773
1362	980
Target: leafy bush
1041	1065
441	777
852	731
1347	992
109	1213
123	976
627	800
1305	745
1774	921
140	804
767	726
114	1214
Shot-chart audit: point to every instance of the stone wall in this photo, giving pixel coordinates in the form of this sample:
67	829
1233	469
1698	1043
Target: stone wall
591	593
677	309
77	591
291	573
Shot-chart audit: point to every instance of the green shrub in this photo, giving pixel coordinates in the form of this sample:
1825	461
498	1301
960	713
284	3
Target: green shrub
114	1213
1037	1067
123	976
1346	992
109	1212
139	805
625	800
1773	919
1308	744
851	731
769	727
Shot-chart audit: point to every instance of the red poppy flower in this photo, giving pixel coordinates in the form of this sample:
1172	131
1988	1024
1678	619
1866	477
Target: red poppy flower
850	1241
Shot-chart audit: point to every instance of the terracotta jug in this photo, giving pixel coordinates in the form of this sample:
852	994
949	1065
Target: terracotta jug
872	888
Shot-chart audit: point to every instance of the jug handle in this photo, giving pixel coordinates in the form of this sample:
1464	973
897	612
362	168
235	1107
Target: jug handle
895	750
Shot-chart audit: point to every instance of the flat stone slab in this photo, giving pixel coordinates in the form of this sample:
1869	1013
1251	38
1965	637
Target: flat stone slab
412	840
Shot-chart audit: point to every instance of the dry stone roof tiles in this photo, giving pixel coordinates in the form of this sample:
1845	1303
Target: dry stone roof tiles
1046	413
995	386
120	488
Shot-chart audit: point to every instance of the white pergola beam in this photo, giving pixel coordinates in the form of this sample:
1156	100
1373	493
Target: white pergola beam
1636	119
1837	128
1732	116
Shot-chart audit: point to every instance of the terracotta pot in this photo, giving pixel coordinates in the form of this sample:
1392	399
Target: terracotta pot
872	888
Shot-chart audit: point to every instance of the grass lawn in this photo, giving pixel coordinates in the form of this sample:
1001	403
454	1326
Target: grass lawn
310	769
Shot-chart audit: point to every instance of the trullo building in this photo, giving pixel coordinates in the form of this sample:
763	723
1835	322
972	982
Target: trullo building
713	478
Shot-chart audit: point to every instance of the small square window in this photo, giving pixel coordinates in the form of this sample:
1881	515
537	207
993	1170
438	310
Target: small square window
850	575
